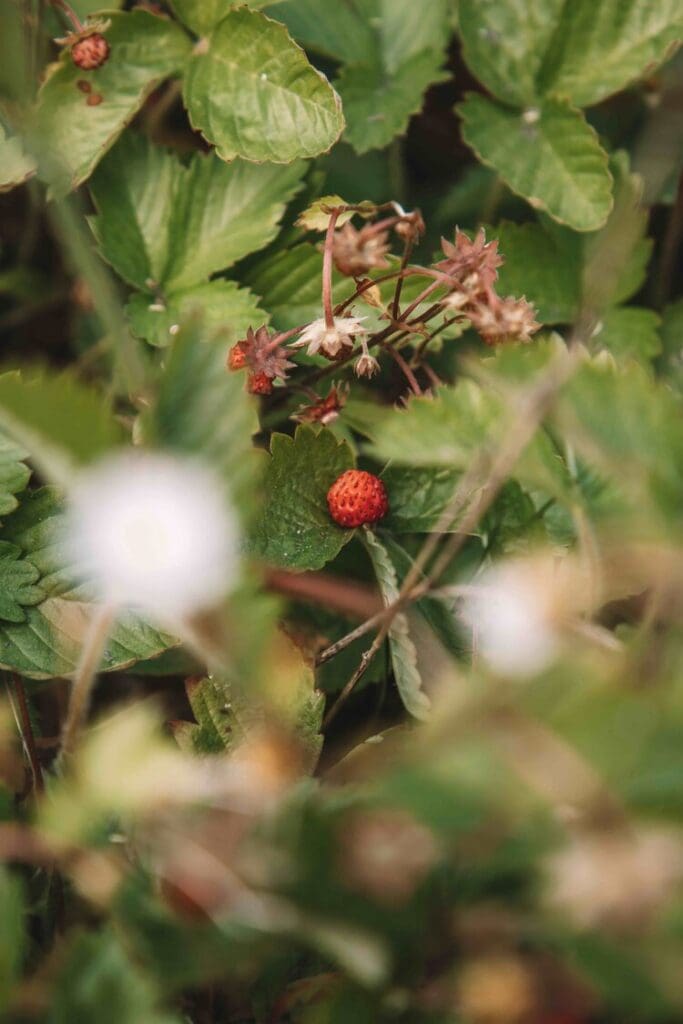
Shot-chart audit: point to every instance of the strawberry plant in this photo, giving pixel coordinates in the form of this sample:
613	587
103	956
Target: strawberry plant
341	477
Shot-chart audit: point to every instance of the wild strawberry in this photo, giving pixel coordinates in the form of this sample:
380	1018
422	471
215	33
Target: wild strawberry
357	497
90	52
259	384
237	356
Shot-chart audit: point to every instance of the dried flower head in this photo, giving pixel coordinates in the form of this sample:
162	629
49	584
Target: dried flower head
153	532
261	353
411	226
366	365
386	854
325	410
504	320
356	252
473	264
331	341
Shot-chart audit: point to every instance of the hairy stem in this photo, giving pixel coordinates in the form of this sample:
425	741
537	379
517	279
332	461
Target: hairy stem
85	675
327	269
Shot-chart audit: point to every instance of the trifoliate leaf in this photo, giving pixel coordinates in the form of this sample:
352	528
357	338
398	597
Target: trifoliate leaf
252	93
600	48
16	166
294	529
14	474
504	44
221	305
18	579
403	653
70	135
162	225
548	154
60	421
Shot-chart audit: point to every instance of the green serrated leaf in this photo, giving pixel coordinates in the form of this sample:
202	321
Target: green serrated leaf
14	473
338	30
69	136
629	331
378	105
549	155
543	267
417	497
225	212
504	44
16	166
166	226
49	642
252	93
61	422
202	15
221	306
600	48
36	528
203	410
294	529
403	653
18	579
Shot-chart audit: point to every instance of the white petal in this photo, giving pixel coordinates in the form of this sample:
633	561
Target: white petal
153	532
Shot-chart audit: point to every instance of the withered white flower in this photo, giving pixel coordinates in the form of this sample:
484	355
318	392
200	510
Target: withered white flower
329	341
366	365
153	532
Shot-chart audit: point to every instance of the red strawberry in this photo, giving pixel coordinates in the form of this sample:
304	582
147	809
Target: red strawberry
90	51
259	384
237	356
357	497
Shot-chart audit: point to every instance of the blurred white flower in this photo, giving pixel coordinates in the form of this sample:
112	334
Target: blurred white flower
615	879
329	341
512	613
153	532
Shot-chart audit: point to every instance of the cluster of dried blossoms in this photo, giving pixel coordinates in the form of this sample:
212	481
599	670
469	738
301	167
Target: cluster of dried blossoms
467	274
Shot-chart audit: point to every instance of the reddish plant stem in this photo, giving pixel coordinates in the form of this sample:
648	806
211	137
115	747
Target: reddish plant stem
27	736
327	270
407	372
66	9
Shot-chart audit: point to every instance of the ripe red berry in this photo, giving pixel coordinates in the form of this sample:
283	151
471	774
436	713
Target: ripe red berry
237	356
357	497
260	384
90	52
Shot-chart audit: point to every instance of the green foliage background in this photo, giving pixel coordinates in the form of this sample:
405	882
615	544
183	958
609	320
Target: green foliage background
393	861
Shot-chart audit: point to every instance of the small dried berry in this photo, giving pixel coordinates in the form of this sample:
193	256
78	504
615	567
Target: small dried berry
357	497
90	51
259	384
